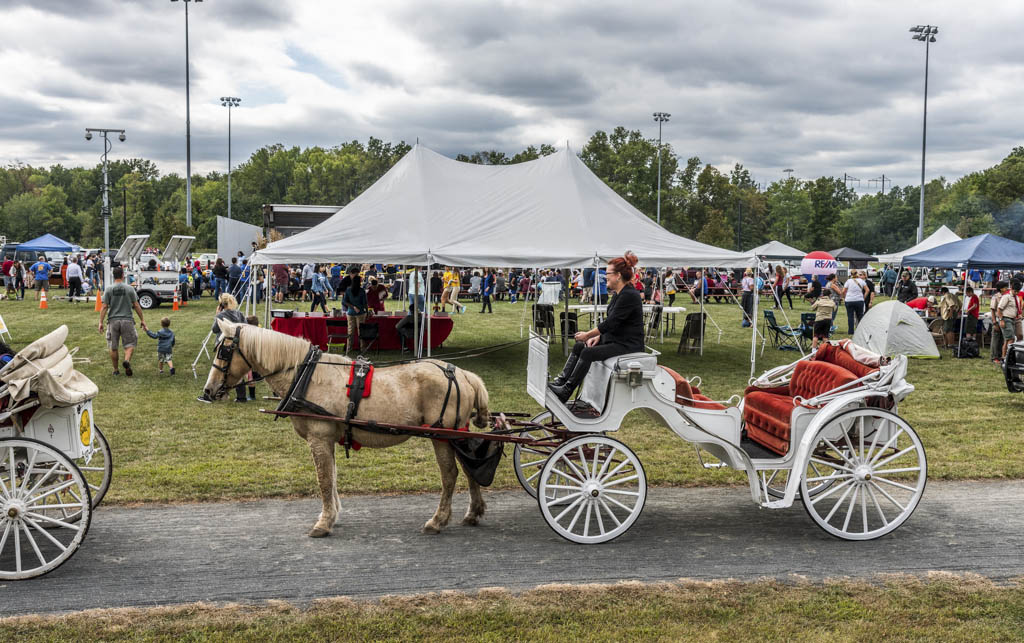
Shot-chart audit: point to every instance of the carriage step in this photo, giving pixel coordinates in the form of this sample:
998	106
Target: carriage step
756	451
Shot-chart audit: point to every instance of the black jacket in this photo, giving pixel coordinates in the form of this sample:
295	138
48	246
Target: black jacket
906	290
624	324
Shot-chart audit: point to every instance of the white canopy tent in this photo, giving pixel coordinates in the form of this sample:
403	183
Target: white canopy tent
940	237
551	212
777	251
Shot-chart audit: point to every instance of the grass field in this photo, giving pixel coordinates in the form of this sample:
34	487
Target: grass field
168	447
942	609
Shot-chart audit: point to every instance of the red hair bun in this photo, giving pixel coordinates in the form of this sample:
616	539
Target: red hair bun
624	265
630	258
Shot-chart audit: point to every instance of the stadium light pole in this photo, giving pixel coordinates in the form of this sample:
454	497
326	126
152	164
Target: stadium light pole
660	117
107	145
229	102
188	127
926	34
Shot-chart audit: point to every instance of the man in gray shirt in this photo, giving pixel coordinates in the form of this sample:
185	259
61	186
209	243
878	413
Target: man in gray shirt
119	300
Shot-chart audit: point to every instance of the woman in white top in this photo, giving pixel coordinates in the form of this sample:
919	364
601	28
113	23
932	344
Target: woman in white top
747	285
854	295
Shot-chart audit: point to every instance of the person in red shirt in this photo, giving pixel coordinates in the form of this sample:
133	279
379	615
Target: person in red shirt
919	303
971	310
8	279
374	294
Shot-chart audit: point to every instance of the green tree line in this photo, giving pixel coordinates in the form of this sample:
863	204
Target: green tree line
697	200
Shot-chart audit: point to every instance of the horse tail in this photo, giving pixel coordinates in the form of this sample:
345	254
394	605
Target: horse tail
482	413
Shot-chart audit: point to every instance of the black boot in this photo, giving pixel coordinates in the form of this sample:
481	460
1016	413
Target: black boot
564	392
567	370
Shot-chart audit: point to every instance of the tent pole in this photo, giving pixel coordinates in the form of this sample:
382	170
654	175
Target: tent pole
429	305
567	275
703	280
963	317
753	324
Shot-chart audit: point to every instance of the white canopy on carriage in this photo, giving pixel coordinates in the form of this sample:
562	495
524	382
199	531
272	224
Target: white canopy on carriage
551	212
45	367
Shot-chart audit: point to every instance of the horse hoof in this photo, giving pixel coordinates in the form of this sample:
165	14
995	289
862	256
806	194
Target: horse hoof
317	532
430	529
471	521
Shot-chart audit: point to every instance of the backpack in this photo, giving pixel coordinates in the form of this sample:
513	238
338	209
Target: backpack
968	349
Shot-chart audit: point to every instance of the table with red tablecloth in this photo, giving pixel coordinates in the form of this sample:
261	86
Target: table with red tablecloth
316	327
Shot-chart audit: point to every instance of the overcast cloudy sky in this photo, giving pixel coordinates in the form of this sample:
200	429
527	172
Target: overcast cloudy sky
823	87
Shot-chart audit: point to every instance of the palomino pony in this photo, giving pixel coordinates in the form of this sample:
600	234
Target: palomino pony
409	394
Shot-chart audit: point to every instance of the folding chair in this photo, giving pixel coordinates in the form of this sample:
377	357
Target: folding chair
653	321
337	338
807	328
784	338
369	336
692	331
544	319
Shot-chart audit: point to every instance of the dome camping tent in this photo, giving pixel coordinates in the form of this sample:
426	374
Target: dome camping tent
893	328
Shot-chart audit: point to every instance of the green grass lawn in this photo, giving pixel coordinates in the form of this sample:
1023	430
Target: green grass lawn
941	609
168	447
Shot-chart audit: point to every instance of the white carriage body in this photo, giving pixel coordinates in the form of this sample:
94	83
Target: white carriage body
633	381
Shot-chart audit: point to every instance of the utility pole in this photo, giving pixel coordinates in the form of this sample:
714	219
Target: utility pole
881	181
847	179
229	102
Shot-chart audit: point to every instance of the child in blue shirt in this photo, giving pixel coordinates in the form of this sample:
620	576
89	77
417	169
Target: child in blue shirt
165	344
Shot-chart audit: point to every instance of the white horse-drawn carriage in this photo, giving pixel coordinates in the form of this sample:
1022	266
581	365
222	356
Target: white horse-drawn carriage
823	429
55	464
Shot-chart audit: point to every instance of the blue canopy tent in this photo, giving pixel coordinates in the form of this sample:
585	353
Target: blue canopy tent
982	251
46	243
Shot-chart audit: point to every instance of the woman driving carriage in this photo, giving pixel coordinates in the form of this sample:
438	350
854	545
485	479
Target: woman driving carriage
621	332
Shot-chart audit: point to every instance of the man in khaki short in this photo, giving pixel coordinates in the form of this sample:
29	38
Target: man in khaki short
119	300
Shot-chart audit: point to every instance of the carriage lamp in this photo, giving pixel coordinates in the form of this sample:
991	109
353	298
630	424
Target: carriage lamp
85	428
635	375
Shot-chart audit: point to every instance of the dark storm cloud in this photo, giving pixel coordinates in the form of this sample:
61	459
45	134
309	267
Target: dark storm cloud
462	119
69	8
20	114
250	14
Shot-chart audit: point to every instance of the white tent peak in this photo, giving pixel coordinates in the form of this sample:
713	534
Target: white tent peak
893	328
778	251
549	212
940	237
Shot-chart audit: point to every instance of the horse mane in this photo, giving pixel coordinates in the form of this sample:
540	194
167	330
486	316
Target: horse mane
274	351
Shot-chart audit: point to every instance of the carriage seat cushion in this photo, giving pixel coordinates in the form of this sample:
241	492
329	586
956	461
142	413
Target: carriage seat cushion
648	363
835	354
687	395
767	413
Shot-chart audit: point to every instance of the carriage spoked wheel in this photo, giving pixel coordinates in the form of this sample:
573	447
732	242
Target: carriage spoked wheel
97	465
529	460
600	485
877	470
36	479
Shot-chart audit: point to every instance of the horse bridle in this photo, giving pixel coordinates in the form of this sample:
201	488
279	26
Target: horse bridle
225	353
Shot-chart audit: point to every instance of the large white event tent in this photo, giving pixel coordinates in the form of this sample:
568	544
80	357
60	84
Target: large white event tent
940	237
552	212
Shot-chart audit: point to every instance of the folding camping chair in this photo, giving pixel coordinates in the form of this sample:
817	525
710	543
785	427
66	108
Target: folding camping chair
807	328
692	331
784	338
369	337
653	322
337	338
544	319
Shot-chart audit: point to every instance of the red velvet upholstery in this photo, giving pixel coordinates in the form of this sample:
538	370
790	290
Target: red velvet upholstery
685	394
767	413
836	355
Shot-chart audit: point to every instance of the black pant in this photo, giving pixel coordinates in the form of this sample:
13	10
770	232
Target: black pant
487	304
779	292
748	305
671	298
74	287
319	300
598	353
854	313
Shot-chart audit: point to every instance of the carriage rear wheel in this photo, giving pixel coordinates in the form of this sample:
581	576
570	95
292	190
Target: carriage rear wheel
97	465
877	469
600	485
35	480
774	481
528	460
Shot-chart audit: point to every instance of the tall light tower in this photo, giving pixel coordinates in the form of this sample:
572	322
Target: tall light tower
926	34
107	145
659	118
229	102
188	127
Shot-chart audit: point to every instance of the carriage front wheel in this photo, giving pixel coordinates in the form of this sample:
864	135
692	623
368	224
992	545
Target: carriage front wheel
528	460
592	489
35	480
877	470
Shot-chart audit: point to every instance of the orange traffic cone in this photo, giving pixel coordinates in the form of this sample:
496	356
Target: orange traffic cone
175	306
42	300
99	302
